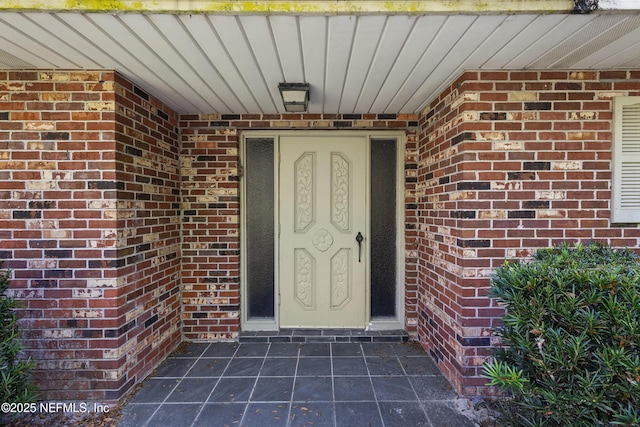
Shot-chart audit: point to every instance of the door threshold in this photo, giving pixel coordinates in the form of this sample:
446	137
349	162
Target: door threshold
323	335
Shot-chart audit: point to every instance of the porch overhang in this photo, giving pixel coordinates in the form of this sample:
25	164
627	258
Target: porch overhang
358	56
296	7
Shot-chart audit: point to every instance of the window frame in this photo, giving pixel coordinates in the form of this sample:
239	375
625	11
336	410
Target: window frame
620	158
374	323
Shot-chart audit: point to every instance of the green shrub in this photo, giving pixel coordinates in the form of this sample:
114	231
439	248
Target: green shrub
570	338
16	384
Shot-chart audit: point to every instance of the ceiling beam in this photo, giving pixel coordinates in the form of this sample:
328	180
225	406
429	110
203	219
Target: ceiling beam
304	7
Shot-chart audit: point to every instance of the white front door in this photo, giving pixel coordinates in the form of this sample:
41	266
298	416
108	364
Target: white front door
323	208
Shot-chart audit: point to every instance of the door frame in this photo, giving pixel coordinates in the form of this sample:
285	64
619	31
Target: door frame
267	324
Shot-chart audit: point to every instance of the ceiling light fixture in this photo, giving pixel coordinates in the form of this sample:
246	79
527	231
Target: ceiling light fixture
295	96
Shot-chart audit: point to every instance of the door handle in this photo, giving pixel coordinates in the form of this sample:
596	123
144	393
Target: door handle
359	239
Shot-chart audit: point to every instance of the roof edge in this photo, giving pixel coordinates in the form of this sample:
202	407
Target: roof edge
311	7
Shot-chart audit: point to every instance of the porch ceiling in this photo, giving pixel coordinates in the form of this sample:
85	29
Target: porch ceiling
215	63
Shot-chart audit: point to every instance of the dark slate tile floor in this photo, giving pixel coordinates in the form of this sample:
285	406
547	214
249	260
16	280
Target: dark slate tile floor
312	384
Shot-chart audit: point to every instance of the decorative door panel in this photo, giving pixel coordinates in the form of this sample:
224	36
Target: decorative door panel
322	208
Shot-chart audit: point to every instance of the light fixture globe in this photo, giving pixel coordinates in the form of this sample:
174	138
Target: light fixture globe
295	96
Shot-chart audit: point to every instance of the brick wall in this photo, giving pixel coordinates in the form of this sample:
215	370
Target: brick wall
507	162
148	241
210	186
97	187
78	233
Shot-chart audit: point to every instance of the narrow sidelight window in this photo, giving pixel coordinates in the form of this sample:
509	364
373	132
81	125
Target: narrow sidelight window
383	228
260	252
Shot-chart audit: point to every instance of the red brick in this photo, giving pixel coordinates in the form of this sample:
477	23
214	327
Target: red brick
553	96
494	96
494	75
613	75
553	75
523	75
57	300
579	209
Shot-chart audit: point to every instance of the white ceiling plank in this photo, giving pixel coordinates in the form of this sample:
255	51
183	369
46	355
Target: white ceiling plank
624	58
153	70
91	39
493	35
601	33
126	63
414	58
632	62
208	82
243	59
395	54
81	51
439	34
313	38
354	64
441	47
340	41
258	30
613	54
527	35
261	39
287	40
207	40
36	31
178	70
123	60
18	55
40	53
366	41
469	43
501	33
9	61
528	56
572	48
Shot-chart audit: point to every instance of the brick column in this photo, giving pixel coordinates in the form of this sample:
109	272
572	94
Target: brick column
86	241
508	162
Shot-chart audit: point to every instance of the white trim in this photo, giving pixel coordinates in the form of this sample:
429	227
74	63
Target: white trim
385	323
630	157
367	230
260	324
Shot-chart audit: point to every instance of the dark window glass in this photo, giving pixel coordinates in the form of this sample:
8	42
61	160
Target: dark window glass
259	170
383	228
